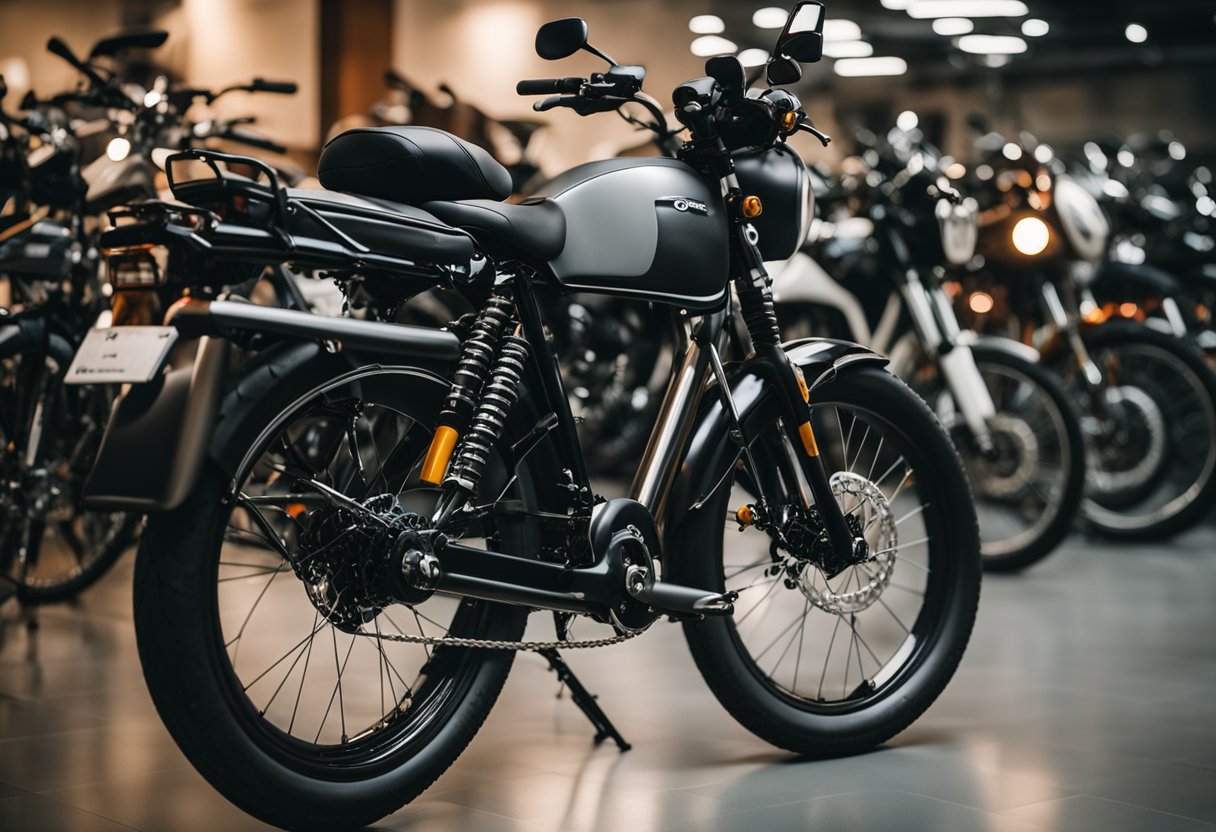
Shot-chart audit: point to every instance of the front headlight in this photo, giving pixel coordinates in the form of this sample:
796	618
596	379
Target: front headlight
1031	236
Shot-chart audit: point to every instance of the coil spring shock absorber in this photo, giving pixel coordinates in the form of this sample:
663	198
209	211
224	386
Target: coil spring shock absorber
499	395
476	358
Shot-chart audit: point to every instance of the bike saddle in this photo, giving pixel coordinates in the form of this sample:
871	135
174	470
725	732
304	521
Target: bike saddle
532	230
411	165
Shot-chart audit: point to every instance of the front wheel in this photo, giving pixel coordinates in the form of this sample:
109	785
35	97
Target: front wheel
836	665
1028	489
1151	431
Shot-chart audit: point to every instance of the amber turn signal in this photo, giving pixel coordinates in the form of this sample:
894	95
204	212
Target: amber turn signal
752	207
789	121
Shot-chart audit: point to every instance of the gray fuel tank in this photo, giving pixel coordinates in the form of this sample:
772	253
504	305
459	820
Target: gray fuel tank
643	228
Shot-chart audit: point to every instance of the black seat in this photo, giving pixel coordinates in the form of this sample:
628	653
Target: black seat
532	230
410	165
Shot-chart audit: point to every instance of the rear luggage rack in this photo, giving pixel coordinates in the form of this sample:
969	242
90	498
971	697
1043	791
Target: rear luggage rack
229	218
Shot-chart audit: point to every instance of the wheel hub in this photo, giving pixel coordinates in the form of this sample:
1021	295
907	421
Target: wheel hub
344	559
1010	469
1130	446
869	513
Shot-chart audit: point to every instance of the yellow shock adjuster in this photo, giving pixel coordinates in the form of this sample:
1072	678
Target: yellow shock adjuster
439	454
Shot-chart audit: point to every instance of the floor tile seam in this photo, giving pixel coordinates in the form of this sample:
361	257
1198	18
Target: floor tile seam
131	776
81	809
1139	806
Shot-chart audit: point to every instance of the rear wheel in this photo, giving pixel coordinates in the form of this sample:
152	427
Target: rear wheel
831	665
261	619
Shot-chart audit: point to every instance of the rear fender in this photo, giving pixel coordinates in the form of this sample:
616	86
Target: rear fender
161	433
711	454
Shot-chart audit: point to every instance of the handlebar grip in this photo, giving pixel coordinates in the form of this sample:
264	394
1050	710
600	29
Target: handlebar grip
548	86
253	140
279	87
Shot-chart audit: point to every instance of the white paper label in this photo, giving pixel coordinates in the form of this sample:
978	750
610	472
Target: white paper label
121	355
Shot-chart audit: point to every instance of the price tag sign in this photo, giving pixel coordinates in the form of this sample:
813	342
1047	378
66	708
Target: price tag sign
121	355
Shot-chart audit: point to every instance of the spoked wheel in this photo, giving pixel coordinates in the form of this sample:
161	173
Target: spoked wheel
836	664
1152	442
50	549
266	620
1028	490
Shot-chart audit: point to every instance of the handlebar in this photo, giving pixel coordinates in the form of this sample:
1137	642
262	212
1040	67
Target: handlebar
549	86
252	140
277	87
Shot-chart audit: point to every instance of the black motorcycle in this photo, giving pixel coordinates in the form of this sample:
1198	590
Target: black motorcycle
350	529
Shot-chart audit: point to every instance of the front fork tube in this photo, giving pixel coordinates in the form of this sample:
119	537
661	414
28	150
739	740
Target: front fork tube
1068	326
935	323
794	400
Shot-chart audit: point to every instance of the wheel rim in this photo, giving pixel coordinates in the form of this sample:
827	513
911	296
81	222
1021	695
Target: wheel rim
835	658
1188	418
1019	493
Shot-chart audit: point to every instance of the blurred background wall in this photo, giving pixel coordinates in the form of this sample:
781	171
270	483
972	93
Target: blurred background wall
1083	77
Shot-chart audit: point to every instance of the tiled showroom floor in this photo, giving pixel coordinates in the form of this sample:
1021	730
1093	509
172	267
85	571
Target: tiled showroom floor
1087	701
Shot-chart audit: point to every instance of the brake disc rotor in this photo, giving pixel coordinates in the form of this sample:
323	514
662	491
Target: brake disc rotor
1013	468
1126	462
860	587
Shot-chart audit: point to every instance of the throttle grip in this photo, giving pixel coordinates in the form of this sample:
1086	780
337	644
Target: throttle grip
547	86
280	87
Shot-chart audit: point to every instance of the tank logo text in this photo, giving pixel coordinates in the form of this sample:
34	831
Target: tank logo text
683	204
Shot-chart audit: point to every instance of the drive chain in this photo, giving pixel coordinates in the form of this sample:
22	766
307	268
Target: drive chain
491	644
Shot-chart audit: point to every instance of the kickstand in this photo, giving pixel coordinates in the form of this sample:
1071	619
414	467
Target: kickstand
604	729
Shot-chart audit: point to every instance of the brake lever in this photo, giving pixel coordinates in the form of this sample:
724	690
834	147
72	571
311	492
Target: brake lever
823	137
582	106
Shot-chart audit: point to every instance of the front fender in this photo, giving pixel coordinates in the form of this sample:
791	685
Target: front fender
1005	346
711	454
1117	281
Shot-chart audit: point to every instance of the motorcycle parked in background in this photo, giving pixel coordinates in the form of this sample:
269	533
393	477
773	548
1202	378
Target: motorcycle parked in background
50	549
1147	398
874	277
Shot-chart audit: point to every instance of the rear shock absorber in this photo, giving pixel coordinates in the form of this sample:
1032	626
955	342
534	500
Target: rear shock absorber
499	395
476	358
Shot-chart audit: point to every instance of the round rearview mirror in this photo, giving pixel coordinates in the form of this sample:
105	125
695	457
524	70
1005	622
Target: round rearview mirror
559	39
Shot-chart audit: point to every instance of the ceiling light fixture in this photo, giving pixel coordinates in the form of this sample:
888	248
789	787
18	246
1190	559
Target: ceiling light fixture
952	26
770	17
751	58
928	9
848	49
840	29
1136	33
1035	28
870	67
709	45
895	5
706	24
992	44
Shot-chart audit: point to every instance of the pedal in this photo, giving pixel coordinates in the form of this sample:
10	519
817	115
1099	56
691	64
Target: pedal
673	599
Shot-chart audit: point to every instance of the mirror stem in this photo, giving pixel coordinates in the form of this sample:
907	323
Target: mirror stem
588	47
